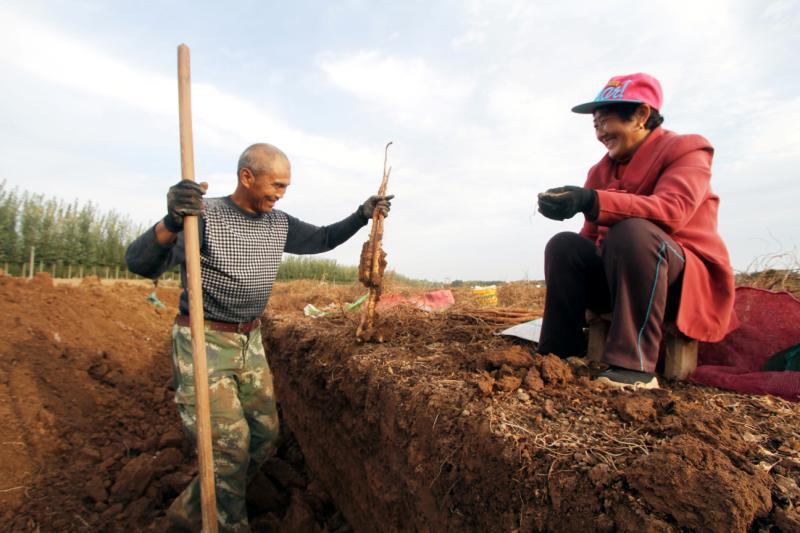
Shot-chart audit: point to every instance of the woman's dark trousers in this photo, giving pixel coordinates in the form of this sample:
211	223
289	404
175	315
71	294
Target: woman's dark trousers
635	274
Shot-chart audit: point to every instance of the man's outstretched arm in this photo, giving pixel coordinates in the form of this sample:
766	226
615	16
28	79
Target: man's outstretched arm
305	238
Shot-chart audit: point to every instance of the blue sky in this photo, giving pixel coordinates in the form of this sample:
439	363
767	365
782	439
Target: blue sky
474	94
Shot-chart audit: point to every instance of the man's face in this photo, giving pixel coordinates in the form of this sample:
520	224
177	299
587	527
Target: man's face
266	189
620	138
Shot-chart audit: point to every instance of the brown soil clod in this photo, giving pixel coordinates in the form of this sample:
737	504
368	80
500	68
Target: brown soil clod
634	409
485	383
699	487
555	371
533	380
509	383
515	356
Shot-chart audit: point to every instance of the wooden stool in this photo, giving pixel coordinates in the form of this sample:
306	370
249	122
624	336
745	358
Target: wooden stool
680	350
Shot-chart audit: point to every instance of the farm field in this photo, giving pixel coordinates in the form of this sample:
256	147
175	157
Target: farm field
443	427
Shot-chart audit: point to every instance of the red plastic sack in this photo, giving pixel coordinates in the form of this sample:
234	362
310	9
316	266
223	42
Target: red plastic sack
429	301
770	322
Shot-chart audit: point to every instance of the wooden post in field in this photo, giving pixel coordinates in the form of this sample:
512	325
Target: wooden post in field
33	256
191	235
69	271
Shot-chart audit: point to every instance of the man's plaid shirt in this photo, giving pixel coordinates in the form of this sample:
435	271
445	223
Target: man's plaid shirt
239	255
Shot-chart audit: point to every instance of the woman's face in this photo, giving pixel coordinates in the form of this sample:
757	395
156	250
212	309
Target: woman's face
621	138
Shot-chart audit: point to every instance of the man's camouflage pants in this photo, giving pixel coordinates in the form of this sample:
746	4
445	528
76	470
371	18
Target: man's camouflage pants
244	418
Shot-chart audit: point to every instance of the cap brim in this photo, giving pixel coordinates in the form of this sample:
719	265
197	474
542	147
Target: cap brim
589	107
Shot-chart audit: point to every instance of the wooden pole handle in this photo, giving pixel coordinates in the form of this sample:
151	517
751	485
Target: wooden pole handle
191	236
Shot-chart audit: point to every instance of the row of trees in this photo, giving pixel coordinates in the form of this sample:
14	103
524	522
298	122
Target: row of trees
62	233
300	267
67	235
304	267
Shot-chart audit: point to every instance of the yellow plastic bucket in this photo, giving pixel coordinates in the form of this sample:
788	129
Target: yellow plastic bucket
487	296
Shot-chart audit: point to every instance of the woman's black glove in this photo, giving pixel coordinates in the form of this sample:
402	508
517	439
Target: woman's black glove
565	202
184	198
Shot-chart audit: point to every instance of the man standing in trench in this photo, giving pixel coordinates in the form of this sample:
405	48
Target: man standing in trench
242	238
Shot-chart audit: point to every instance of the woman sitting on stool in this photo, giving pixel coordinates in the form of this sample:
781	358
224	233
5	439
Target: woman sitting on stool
649	248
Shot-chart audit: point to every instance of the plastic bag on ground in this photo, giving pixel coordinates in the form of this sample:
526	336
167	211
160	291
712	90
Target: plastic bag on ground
430	301
315	312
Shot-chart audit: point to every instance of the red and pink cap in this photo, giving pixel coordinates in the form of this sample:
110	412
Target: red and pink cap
637	88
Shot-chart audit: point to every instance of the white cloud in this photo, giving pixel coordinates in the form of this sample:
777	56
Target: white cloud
782	9
63	61
471	38
407	89
221	119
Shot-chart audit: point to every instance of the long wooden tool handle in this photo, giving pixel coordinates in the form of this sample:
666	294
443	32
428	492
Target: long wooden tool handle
191	236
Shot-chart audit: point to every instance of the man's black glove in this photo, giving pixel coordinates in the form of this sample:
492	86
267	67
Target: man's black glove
184	198
565	202
381	203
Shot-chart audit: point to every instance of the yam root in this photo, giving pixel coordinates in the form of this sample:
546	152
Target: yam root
366	276
372	265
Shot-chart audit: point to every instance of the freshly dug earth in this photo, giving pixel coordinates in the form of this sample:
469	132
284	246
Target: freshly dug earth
91	439
447	427
443	427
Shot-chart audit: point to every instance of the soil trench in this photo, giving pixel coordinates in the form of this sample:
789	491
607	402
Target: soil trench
91	439
446	427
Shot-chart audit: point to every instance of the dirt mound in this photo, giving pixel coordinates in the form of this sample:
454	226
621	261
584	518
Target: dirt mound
444	427
84	373
90	437
448	427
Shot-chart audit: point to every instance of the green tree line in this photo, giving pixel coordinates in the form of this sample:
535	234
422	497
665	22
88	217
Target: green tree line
61	232
81	235
302	267
298	267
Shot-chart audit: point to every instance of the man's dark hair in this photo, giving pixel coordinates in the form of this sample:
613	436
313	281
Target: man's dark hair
626	110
